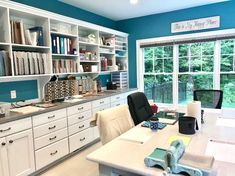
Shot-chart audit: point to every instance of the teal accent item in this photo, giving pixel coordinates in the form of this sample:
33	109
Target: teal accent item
25	90
168	160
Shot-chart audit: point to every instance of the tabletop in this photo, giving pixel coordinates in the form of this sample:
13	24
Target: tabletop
127	152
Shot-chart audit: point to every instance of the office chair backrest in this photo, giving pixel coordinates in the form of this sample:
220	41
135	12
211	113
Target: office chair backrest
209	98
139	107
113	122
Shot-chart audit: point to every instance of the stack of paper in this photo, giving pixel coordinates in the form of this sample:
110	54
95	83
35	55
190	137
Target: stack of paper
221	150
26	109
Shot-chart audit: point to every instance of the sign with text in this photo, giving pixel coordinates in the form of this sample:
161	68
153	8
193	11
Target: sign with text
197	24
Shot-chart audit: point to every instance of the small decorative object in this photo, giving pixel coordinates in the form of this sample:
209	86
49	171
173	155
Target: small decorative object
91	38
154	124
2	112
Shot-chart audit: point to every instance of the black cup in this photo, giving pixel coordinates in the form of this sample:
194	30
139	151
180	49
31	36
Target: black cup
187	125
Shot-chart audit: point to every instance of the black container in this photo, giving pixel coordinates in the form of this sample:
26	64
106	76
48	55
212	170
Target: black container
187	125
111	86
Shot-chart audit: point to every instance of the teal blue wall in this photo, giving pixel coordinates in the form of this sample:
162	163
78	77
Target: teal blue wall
160	25
25	90
139	28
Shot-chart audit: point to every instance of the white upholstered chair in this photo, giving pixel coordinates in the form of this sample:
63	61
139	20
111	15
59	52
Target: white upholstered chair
113	122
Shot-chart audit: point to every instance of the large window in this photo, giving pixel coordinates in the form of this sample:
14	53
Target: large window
196	65
227	72
158	68
195	69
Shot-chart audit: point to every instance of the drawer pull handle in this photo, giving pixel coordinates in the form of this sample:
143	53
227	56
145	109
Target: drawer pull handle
11	141
82	139
80	108
117	104
101	102
53	153
81	117
117	97
81	126
52	138
50	128
5	130
3	143
50	117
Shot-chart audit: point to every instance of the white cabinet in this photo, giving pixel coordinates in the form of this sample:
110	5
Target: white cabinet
17	157
51	153
50	137
79	118
78	140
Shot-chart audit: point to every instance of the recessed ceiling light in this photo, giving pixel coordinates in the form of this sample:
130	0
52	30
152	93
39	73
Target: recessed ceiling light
133	1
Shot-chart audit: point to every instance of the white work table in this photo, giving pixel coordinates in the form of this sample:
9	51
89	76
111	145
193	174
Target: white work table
126	155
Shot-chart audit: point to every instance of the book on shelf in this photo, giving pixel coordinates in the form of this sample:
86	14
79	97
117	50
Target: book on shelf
26	36
5	63
29	63
61	45
64	66
39	35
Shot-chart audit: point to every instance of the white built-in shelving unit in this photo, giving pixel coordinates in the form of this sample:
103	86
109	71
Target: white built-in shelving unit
67	45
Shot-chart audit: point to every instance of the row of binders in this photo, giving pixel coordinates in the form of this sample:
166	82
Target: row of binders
20	34
30	63
61	45
65	66
5	63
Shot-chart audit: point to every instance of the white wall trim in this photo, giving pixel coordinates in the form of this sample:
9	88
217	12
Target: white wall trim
188	37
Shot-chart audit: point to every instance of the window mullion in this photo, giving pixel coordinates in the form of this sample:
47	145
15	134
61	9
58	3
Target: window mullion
216	77
175	74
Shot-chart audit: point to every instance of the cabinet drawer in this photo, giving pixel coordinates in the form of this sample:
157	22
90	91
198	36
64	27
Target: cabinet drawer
48	117
51	153
117	97
15	126
78	108
100	102
76	118
78	140
50	138
50	127
79	127
100	108
117	103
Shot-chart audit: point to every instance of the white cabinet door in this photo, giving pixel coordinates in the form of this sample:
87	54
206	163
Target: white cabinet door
20	153
3	158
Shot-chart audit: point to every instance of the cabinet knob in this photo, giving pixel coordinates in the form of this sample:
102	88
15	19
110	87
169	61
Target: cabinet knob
50	128
53	153
11	141
80	108
3	143
5	130
50	117
52	138
81	126
81	117
82	139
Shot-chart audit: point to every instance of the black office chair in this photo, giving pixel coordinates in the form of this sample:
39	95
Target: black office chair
209	99
139	107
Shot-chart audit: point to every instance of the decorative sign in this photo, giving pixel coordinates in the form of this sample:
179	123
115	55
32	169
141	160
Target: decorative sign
197	24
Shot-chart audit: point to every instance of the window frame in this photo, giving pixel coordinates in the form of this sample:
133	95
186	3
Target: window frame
182	38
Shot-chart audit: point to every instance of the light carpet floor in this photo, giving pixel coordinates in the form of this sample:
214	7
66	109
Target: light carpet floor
77	165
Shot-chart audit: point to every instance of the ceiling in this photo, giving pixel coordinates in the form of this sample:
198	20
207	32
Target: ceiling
122	9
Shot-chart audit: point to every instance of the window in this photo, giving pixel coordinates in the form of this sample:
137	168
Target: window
158	69
195	69
171	72
227	72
